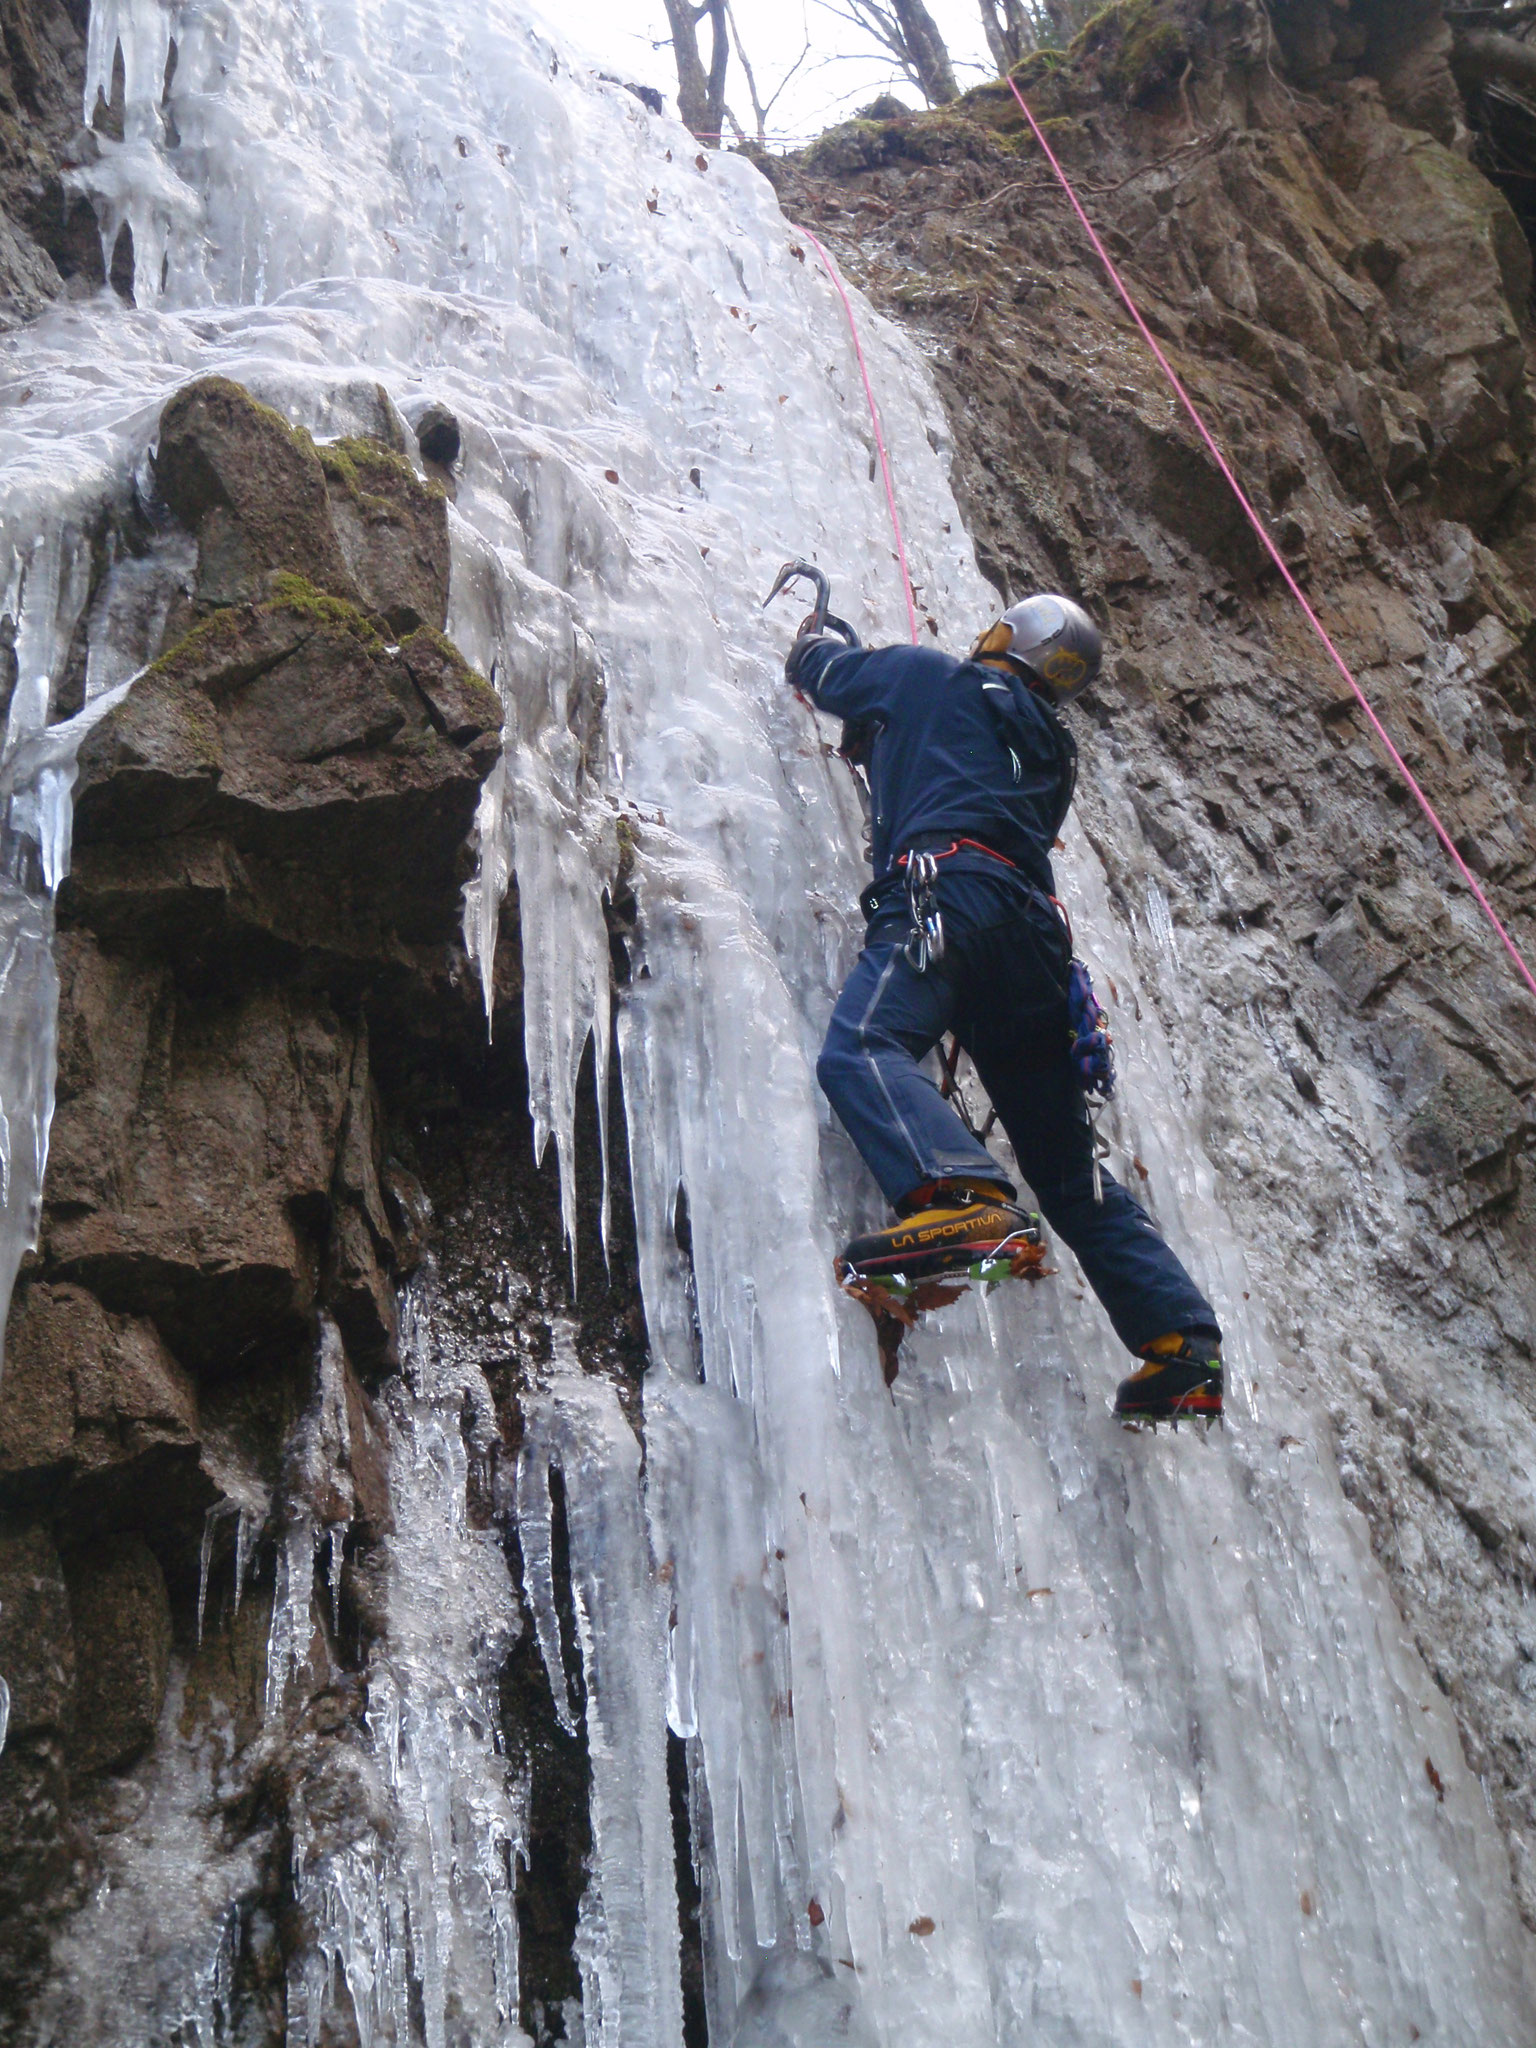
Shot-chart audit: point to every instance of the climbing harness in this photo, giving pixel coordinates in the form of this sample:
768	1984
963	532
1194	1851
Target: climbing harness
1271	549
925	941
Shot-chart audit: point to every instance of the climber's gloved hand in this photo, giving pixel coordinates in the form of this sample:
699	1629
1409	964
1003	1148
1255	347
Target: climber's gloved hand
804	641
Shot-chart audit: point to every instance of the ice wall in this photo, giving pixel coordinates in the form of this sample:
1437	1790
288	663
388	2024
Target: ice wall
1009	1726
405	1872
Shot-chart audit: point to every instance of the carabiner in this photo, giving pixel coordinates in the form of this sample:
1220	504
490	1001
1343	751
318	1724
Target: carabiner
925	941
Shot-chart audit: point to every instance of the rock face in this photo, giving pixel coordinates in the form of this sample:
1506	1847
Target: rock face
275	1096
271	838
1348	299
50	240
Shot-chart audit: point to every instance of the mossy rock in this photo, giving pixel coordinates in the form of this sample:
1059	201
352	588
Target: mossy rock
237	644
1139	49
252	491
851	146
348	520
299	599
374	475
461	704
950	136
392	527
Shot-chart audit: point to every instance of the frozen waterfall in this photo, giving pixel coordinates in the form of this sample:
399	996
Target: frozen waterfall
1007	1727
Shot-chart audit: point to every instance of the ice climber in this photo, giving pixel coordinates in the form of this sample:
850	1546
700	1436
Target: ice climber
971	775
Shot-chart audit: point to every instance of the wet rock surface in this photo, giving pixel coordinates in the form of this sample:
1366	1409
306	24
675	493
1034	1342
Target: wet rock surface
49	241
1348	299
262	924
277	1104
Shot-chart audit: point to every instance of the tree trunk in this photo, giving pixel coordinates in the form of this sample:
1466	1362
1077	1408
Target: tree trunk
700	93
1480	54
929	59
1008	33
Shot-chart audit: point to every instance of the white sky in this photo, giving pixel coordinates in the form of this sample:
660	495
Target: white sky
622	36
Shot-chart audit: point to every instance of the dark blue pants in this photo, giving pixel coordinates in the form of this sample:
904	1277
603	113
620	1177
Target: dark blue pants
1001	988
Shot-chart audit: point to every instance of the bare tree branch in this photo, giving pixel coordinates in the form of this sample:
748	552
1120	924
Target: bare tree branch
761	109
907	32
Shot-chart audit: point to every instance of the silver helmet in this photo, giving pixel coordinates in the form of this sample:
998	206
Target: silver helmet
1051	637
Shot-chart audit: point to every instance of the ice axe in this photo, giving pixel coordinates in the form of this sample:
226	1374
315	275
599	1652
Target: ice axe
821	619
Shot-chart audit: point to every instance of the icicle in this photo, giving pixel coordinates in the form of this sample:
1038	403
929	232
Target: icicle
1160	921
141	30
707	1517
37	773
211	1521
429	1912
132	182
129	613
336	1536
535	1532
628	1935
247	1528
289	1636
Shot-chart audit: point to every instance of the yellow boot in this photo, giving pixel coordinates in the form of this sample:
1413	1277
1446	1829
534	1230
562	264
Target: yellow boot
1182	1376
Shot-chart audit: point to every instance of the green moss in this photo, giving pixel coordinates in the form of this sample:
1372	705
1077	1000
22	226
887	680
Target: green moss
1038	67
851	146
1139	48
427	641
945	137
373	476
296	595
211	642
236	395
356	462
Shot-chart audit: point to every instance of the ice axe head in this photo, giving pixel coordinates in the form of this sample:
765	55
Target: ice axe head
788	574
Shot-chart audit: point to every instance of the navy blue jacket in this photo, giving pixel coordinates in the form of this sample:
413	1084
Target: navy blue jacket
960	748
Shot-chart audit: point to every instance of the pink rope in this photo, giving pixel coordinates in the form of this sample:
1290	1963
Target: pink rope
1275	555
869	392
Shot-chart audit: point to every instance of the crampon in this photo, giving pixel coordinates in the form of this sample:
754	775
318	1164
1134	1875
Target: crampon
1181	1380
895	1302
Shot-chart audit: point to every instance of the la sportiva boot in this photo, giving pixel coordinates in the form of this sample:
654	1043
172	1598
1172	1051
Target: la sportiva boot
948	1233
1182	1378
954	1230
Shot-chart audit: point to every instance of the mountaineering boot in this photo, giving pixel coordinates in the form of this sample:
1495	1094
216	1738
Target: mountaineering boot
1182	1377
961	1231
